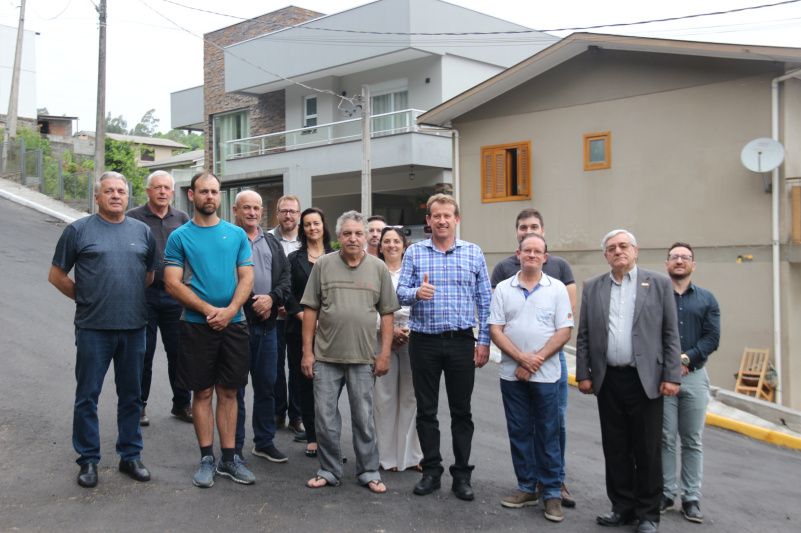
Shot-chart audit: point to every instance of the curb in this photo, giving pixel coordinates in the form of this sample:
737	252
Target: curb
37	207
771	436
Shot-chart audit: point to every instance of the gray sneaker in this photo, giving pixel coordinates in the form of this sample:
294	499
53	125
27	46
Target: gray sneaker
519	499
204	476
553	510
236	471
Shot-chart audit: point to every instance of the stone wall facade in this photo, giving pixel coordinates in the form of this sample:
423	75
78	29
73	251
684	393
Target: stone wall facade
266	111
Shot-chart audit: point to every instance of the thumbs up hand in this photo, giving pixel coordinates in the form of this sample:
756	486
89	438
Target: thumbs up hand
426	290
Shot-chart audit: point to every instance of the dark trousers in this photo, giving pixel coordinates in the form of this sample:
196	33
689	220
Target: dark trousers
262	374
164	314
305	388
287	402
431	356
631	432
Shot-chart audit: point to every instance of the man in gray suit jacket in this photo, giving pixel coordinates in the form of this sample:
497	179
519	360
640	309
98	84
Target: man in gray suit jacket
627	353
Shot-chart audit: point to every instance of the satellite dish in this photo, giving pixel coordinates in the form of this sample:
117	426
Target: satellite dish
762	155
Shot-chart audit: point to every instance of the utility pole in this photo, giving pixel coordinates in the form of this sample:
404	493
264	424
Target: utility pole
13	98
367	130
100	120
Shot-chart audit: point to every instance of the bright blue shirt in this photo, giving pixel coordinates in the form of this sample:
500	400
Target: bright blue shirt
209	257
461	288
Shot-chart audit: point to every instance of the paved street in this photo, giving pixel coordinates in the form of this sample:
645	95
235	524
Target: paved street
749	485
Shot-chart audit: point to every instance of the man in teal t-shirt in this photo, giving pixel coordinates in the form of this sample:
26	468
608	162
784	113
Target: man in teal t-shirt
208	269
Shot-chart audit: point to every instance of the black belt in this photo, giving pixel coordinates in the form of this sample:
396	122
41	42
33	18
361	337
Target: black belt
624	368
468	332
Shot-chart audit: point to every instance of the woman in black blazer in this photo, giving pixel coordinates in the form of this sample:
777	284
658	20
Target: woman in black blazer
315	241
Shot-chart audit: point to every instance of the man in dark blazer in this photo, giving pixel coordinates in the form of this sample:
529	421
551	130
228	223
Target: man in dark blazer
628	354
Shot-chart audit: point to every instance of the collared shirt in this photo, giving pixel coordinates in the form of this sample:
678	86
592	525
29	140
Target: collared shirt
529	320
161	229
699	324
461	288
621	319
289	245
262	264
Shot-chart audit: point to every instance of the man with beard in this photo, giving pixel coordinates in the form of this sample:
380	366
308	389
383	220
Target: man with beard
209	270
375	225
699	329
287	400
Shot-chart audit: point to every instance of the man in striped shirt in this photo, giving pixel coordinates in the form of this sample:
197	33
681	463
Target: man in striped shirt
445	281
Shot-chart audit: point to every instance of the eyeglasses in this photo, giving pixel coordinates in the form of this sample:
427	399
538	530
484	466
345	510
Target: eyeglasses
288	212
676	257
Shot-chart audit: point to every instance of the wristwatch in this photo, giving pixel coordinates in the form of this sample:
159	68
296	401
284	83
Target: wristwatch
685	359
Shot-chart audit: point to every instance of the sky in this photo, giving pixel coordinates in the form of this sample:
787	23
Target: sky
149	55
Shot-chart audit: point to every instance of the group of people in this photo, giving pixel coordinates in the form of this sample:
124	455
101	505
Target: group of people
385	319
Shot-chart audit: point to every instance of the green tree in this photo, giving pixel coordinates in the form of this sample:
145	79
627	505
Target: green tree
116	124
121	157
148	125
194	141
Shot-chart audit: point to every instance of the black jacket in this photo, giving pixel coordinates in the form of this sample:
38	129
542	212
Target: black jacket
301	269
280	290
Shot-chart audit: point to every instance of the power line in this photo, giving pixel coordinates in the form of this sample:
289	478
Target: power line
205	10
59	13
575	28
248	62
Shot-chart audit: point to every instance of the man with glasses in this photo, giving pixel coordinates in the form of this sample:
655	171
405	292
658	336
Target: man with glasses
627	354
699	329
287	401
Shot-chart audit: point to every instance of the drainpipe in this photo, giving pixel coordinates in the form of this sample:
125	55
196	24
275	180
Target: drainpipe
455	174
777	326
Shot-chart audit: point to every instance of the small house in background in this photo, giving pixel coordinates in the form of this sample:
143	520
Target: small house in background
148	149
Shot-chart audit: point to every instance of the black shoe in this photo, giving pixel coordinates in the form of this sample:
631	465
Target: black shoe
87	477
462	489
184	414
667	503
135	470
647	526
426	485
692	512
613	519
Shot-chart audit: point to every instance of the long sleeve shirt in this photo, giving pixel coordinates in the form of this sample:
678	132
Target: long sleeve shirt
699	324
461	284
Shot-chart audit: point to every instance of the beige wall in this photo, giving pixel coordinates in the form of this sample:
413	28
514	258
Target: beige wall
678	125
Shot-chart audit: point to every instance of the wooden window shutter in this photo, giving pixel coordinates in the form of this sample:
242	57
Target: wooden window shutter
499	164
524	169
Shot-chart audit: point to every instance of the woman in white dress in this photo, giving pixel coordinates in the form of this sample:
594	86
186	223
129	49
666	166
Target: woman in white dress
394	406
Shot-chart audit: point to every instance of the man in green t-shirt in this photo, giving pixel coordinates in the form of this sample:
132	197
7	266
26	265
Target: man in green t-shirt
345	293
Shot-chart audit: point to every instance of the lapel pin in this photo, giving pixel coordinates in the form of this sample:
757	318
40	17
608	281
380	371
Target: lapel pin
645	284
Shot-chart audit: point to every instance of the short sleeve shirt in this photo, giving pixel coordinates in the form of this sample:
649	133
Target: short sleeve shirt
529	320
210	257
348	300
111	262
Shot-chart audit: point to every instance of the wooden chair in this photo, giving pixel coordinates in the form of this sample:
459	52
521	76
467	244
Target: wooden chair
751	379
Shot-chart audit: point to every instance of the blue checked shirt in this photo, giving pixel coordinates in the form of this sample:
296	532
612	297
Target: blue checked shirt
461	288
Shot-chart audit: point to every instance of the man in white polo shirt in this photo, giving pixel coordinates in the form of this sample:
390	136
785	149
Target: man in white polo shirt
530	320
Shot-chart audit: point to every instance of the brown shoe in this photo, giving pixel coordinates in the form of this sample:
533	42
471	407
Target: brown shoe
143	419
553	510
567	499
184	414
519	499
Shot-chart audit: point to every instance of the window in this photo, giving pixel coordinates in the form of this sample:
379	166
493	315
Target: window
228	127
390	103
309	111
506	172
147	154
597	150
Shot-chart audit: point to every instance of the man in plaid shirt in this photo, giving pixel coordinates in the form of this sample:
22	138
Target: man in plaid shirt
445	281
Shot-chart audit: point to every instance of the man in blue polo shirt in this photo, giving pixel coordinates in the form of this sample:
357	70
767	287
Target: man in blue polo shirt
208	269
530	320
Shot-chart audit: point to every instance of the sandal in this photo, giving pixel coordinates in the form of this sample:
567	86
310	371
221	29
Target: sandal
376	486
310	453
315	482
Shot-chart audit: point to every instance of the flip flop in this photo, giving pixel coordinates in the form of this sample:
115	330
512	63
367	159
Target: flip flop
310	453
376	486
314	483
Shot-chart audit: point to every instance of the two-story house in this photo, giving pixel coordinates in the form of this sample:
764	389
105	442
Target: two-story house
279	110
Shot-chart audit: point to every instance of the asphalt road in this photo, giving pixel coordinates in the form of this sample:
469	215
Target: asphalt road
748	486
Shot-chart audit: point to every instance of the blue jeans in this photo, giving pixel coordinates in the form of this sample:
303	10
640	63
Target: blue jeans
685	414
329	379
562	397
263	354
96	349
163	313
532	421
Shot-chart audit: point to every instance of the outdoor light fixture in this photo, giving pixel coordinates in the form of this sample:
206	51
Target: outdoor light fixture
411	172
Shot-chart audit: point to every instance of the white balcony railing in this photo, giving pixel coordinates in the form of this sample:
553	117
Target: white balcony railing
404	121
